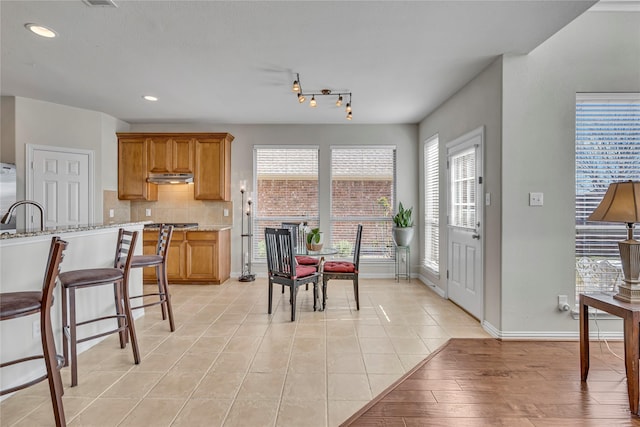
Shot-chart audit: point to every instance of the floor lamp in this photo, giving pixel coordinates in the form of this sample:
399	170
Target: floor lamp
246	275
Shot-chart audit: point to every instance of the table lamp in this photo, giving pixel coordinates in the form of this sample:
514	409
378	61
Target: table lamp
621	203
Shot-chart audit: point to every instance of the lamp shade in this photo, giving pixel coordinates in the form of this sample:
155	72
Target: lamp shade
621	203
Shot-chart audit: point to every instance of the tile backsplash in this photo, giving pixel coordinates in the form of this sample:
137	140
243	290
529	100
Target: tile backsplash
176	203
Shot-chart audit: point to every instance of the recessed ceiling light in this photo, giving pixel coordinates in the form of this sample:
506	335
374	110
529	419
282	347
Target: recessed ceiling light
150	98
40	30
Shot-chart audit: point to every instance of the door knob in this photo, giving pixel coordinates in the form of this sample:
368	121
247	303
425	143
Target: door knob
475	236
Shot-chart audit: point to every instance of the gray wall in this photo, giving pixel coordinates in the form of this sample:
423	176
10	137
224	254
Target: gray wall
479	103
527	105
598	52
404	137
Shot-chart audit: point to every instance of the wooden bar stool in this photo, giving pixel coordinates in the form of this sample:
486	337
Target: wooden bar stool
14	305
159	261
88	278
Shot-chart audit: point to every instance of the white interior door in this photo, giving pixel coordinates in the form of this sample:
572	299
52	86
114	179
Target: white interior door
61	180
465	284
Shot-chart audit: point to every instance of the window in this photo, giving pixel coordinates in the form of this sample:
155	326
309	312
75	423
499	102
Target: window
431	205
287	184
607	150
363	192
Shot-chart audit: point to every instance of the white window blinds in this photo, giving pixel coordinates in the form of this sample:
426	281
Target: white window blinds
287	189
362	191
607	150
431	205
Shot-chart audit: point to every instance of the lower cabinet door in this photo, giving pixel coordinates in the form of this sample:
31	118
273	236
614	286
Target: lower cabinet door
202	256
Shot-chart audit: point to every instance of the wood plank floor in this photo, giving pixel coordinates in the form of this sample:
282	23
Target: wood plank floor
487	382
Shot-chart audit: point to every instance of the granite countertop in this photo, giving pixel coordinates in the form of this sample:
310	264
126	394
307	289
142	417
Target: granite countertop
67	229
205	227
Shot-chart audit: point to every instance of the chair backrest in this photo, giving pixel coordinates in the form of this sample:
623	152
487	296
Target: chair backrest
124	249
280	253
356	251
298	235
56	254
164	239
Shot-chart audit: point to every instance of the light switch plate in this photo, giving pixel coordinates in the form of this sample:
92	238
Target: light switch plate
147	212
536	199
487	199
112	213
225	212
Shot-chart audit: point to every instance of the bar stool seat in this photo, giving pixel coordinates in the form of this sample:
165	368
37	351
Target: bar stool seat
15	305
90	277
85	278
159	261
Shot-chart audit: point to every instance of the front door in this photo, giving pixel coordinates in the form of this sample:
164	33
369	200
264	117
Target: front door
60	181
465	284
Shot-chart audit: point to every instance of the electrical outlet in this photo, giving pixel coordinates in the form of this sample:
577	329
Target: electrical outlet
225	212
112	213
147	212
563	304
35	328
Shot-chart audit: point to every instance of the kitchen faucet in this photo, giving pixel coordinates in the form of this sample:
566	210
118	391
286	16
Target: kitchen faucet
7	217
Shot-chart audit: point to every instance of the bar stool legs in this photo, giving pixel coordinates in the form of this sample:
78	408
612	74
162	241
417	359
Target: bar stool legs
119	277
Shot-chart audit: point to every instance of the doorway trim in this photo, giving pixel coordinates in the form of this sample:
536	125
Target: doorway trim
467	139
30	181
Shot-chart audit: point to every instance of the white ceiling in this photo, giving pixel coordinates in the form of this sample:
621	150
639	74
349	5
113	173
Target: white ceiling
234	61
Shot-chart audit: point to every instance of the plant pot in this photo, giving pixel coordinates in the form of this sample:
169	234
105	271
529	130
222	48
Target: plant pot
314	247
402	236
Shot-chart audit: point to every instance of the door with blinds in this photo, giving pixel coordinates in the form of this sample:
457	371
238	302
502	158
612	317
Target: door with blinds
465	284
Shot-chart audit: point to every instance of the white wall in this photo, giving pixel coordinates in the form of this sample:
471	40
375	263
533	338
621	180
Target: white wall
598	52
404	137
45	123
477	104
7	129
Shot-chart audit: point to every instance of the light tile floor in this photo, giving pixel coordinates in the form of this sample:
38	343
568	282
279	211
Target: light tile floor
230	364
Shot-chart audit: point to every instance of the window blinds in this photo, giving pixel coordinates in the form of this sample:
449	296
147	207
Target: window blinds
431	205
607	150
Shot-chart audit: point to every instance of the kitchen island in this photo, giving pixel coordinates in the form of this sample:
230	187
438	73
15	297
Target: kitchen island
23	258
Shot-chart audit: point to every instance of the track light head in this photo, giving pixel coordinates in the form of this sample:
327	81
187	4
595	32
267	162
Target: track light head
339	101
313	102
296	86
349	117
301	98
348	109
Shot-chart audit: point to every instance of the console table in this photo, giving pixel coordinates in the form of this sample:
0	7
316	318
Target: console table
630	313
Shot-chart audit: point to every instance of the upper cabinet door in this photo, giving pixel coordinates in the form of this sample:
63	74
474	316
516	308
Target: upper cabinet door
133	169
182	155
213	167
170	154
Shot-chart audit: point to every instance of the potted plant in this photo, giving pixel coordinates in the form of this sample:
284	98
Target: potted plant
403	226
314	240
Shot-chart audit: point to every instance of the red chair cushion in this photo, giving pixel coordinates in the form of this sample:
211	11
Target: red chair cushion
304	271
339	267
307	260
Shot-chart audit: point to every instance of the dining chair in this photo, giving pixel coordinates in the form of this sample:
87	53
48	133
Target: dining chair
118	276
343	270
14	305
300	245
283	269
159	261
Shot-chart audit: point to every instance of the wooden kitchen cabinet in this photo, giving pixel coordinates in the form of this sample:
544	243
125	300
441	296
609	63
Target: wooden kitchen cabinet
212	174
133	170
170	154
175	268
194	256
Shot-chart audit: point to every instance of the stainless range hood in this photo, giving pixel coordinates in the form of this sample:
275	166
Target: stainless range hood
170	178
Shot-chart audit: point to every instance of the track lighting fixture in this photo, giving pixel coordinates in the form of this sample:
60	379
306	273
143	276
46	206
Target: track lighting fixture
297	88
